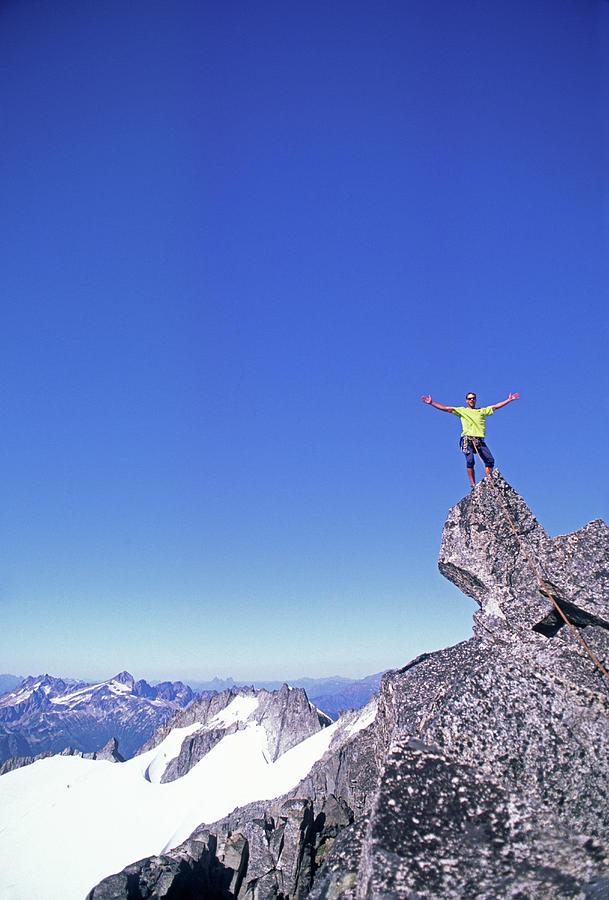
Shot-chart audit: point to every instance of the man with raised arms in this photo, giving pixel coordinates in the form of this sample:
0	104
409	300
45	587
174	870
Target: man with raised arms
474	425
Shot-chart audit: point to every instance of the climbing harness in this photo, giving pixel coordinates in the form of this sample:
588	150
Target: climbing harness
464	443
544	587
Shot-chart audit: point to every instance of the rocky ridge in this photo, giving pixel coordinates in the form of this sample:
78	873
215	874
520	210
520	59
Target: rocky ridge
483	774
286	716
109	753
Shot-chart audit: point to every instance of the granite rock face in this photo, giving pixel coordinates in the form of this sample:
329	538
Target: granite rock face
495	767
262	851
484	770
483	557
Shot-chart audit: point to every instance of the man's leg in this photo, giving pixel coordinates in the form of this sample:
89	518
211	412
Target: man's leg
468	449
486	456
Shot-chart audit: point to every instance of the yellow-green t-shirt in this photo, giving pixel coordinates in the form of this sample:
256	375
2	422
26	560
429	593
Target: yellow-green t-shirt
473	420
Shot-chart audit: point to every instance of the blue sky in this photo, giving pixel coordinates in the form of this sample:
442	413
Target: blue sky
240	240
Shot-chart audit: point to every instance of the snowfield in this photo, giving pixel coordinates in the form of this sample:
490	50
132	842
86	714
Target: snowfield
67	822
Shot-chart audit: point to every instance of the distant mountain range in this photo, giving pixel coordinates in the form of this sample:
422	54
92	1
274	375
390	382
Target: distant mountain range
313	686
43	713
352	695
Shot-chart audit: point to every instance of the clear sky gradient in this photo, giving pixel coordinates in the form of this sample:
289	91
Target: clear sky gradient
240	240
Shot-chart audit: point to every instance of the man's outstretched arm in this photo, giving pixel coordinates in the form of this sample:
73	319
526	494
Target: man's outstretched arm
505	402
430	402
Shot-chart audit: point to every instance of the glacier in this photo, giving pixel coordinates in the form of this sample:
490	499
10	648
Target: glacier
81	820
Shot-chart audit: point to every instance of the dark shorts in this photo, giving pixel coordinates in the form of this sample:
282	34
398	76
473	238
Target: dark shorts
470	453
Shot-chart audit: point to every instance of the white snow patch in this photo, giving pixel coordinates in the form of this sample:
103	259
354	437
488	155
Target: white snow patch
167	750
366	717
117	687
13	698
78	695
23	695
238	710
87	692
89	818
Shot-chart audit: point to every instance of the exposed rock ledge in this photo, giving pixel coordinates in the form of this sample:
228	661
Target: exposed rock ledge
109	753
485	773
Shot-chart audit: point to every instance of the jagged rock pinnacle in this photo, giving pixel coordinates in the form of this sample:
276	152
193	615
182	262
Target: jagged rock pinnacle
482	556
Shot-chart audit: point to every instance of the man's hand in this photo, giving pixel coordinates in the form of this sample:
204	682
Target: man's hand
430	402
505	402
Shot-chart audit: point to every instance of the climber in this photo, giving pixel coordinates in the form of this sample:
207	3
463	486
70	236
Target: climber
474	423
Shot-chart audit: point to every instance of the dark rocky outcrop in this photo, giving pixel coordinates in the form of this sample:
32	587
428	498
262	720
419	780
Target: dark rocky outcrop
485	772
109	753
261	850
